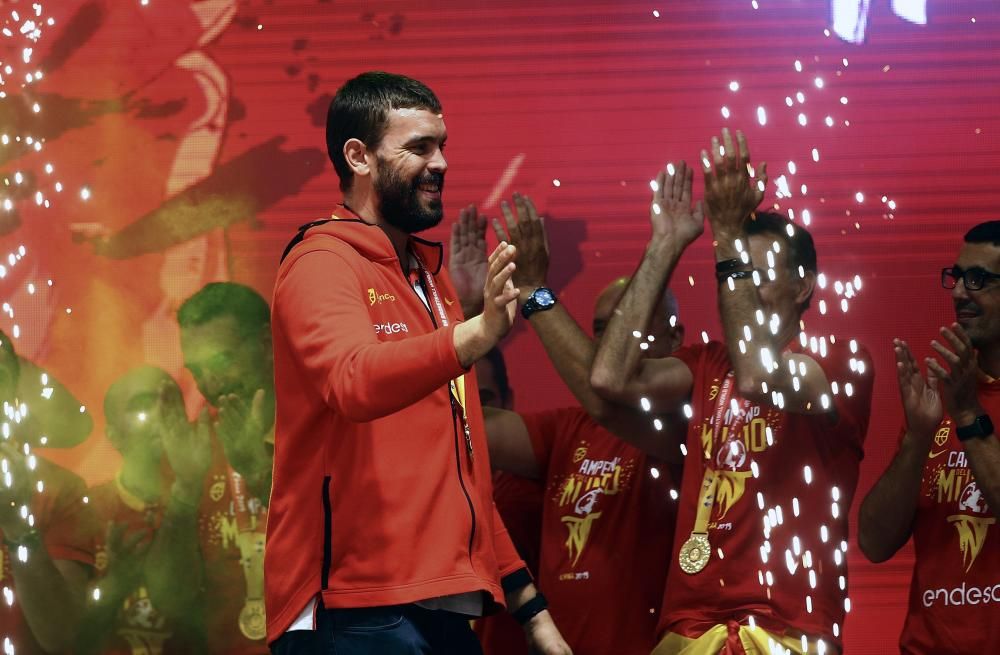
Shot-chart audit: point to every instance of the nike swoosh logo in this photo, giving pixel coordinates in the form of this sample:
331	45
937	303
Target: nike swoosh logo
933	455
450	302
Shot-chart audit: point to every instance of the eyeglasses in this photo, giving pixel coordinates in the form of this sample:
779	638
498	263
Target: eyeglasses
974	278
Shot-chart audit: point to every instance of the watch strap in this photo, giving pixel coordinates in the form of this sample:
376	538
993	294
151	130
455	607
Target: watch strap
981	427
531	305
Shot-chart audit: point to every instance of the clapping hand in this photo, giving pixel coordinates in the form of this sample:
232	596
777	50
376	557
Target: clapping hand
731	192
670	212
467	260
526	232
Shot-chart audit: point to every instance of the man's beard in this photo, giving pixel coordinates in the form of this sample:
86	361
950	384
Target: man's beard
399	200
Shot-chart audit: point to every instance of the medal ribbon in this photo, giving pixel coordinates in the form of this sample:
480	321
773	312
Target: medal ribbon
456	386
710	480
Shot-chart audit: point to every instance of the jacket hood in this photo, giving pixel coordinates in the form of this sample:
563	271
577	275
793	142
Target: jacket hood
370	241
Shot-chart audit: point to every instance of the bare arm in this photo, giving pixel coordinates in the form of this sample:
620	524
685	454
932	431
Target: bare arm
51	595
541	632
619	372
173	568
510	443
885	520
794	383
569	348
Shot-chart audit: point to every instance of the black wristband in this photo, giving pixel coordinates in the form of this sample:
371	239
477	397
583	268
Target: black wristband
516	580
734	275
531	609
730	265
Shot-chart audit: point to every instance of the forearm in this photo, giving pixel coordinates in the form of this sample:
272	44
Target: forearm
51	607
472	341
173	567
571	351
617	357
515	599
99	617
885	519
750	341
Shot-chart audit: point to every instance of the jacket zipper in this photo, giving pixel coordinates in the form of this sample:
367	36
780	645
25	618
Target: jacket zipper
461	479
454	417
327	533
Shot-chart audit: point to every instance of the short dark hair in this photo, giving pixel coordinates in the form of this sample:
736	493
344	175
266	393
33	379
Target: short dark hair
217	299
988	232
360	110
496	360
801	249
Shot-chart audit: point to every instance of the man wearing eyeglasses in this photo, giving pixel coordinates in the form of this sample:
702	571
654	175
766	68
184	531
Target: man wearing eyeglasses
943	486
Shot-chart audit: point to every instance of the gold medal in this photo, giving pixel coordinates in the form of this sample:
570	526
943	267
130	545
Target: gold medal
253	625
695	553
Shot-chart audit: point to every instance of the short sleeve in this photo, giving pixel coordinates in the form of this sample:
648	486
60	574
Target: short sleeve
543	429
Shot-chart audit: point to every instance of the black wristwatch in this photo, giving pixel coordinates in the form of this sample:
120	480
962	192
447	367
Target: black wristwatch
539	300
981	427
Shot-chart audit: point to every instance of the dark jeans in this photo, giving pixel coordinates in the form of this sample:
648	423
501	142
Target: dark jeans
395	630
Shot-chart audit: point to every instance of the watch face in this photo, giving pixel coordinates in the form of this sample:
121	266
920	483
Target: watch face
543	297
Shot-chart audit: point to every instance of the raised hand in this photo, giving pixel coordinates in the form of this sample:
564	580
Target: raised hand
467	260
959	381
500	294
188	446
731	193
921	399
527	233
242	428
671	212
126	558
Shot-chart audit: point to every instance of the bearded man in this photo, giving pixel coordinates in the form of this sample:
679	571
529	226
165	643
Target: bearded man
382	535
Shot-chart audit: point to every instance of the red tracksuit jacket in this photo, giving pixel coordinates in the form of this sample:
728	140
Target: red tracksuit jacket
375	499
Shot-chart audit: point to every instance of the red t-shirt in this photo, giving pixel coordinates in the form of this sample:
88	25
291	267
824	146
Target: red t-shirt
138	627
229	582
607	526
67	527
801	587
955	593
519	503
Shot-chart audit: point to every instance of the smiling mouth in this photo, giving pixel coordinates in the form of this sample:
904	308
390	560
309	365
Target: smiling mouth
966	314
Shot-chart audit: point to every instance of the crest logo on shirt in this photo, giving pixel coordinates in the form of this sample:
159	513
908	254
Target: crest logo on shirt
972	499
941	438
971	535
972	530
580	492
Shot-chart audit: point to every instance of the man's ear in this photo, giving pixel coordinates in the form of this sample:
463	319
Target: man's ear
678	337
357	155
807	285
